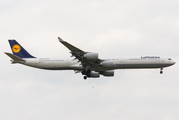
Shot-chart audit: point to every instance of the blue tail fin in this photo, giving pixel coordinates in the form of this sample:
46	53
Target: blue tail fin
18	50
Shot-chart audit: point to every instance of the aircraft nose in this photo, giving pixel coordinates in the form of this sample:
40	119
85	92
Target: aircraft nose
173	62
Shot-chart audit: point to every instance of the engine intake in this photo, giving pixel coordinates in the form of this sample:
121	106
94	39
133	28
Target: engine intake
94	74
107	63
91	56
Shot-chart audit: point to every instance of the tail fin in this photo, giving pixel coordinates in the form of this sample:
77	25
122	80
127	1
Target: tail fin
18	50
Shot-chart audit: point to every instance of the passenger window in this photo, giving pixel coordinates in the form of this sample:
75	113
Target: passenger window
169	59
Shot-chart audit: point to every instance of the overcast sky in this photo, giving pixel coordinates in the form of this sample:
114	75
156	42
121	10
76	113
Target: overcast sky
109	27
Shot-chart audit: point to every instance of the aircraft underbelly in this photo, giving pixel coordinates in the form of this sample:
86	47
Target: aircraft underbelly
64	68
134	66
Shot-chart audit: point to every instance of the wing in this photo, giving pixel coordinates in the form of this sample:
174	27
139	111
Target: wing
72	48
82	55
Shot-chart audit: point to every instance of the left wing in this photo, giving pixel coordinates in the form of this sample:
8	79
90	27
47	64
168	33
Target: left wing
87	59
70	47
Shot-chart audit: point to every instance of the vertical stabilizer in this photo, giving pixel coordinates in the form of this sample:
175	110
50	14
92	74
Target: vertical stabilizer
18	50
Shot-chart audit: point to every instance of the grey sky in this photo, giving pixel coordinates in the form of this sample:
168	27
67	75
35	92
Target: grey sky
111	28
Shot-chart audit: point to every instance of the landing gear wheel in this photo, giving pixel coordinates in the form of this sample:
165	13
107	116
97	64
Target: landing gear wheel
85	77
161	70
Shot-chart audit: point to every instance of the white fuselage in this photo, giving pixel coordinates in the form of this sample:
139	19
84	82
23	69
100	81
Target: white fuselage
88	63
121	63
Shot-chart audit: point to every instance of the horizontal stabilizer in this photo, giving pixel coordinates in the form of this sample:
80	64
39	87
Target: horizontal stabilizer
15	58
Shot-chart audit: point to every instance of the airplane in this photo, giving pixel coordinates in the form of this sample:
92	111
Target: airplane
86	63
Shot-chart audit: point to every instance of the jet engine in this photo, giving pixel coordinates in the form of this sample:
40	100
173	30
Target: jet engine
107	63
94	74
107	73
91	56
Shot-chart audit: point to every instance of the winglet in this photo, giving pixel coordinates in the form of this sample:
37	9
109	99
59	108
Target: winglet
69	46
60	39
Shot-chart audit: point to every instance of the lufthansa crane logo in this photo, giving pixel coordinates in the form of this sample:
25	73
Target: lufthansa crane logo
16	48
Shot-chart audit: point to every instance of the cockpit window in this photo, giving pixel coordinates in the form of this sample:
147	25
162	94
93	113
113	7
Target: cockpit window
169	59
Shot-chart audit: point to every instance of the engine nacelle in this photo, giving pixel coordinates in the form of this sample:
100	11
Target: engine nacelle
107	63
91	56
94	74
108	73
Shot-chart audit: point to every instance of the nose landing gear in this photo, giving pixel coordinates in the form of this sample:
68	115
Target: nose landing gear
161	72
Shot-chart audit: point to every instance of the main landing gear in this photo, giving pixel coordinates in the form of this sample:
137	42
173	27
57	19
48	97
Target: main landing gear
161	72
85	77
86	73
